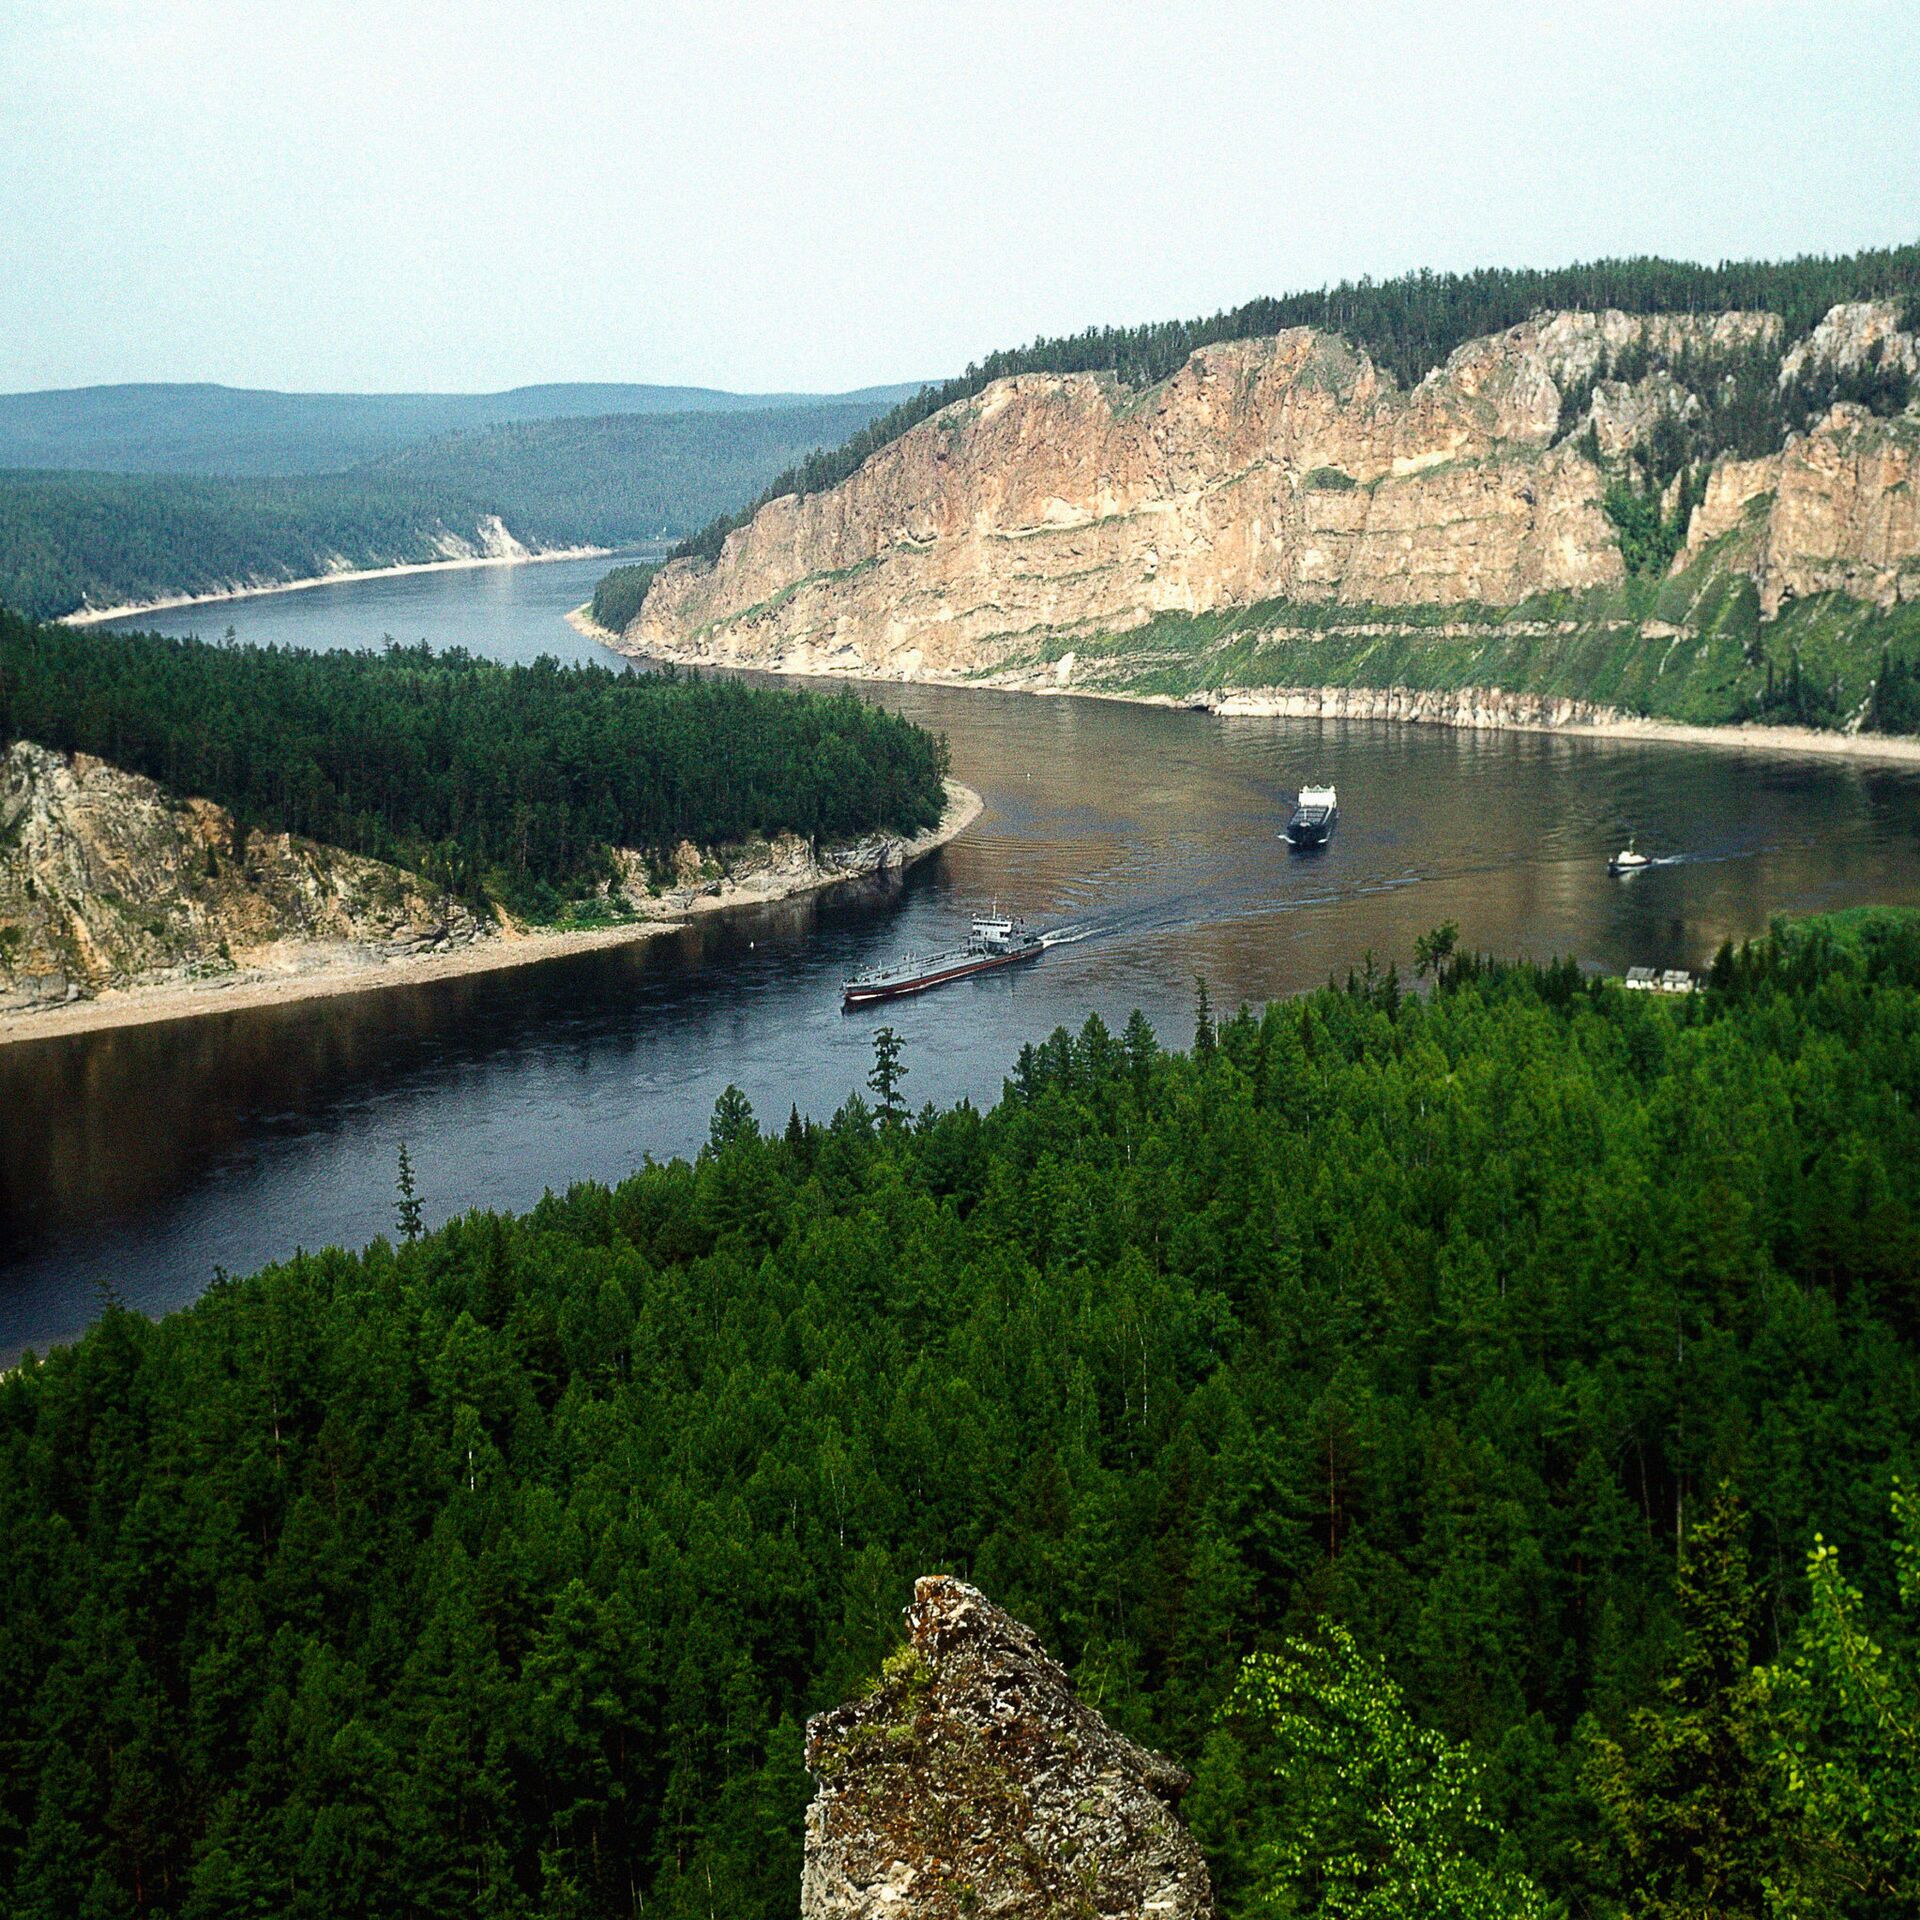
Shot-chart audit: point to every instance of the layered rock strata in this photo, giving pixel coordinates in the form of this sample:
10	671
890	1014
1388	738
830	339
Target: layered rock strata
106	880
1836	510
109	882
972	1785
1285	468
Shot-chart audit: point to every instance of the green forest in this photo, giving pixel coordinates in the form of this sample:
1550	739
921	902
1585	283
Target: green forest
509	783
69	539
1409	325
618	596
161	426
1471	1418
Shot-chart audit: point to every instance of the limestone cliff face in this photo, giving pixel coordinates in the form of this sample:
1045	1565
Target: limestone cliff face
1837	510
972	1785
1288	467
106	881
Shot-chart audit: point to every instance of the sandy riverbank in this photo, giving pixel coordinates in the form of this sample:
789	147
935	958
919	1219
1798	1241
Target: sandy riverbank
581	620
95	616
1485	709
318	974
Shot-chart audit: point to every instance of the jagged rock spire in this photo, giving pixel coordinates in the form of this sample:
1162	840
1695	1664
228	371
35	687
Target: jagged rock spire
972	1783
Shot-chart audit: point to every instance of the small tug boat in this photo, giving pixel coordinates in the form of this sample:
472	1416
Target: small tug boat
993	941
1315	815
1628	860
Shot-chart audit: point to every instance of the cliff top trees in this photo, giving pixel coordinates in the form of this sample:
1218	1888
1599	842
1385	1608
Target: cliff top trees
509	782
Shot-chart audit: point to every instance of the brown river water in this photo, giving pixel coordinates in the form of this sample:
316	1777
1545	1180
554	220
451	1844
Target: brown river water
134	1162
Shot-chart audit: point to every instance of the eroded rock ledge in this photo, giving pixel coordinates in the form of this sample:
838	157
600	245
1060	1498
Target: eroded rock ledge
972	1784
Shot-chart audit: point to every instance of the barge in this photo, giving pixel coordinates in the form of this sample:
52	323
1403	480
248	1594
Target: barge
993	941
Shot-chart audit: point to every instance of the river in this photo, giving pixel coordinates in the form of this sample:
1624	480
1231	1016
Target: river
133	1163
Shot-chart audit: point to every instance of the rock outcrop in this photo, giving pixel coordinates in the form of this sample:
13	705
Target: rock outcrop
972	1785
106	880
1837	510
1053	507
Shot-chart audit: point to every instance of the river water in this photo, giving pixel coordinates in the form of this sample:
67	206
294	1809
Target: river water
136	1162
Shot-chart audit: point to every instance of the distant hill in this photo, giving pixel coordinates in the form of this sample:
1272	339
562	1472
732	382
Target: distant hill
73	539
237	431
618	477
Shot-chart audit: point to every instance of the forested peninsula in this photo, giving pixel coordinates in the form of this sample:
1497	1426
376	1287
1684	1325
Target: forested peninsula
164	803
1597	498
1471	1428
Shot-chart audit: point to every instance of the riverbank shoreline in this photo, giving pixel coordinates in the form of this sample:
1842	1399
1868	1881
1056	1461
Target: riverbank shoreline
511	947
99	616
1466	709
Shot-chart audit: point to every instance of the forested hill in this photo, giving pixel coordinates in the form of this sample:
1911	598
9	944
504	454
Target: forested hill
1408	325
109	539
227	431
502	783
1533	1330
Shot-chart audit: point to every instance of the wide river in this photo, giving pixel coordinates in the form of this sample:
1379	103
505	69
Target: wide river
135	1162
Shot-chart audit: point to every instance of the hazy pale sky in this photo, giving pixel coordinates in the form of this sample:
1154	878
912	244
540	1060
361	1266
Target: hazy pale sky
822	196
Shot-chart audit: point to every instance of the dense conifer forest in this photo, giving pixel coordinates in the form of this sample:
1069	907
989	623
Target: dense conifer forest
112	539
618	596
509	783
1408	325
1467	1425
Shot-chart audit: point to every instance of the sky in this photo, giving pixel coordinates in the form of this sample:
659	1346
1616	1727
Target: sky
821	196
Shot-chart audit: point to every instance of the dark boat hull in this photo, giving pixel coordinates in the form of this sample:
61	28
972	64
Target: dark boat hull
1304	833
960	969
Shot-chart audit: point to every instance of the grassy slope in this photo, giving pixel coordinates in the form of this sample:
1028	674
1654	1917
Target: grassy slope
1594	646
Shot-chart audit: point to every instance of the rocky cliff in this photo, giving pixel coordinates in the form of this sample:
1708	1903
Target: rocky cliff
106	880
972	1785
1049	509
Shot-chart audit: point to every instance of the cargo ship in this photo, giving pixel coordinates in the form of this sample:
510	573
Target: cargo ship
1315	815
992	941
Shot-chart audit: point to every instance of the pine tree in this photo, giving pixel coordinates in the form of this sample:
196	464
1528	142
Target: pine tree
406	1212
1693	1825
887	1074
732	1119
1203	1034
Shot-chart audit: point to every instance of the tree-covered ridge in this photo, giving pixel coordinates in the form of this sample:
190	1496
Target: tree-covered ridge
113	539
619	477
202	427
1407	325
618	596
494	1573
504	782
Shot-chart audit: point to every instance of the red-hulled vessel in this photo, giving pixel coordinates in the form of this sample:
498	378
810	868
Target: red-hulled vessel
992	941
